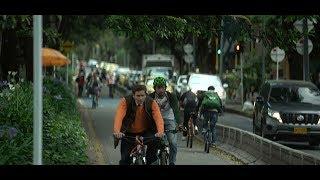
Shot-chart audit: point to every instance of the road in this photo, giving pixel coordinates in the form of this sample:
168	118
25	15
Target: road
101	120
245	123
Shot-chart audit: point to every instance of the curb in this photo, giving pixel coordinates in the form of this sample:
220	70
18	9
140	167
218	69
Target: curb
94	145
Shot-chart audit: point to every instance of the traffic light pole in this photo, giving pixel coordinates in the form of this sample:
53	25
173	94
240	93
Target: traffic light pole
241	64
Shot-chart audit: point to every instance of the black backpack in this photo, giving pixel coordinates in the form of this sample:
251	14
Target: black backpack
190	100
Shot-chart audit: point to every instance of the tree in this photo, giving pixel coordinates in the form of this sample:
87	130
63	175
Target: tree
170	31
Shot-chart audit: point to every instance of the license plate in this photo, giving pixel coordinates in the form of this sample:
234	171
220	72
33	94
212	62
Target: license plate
300	130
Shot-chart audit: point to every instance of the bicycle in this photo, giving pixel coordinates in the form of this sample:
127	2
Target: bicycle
164	150
95	97
139	152
207	138
191	129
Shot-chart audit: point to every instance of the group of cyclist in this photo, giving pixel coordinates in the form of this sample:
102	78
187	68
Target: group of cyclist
94	82
158	114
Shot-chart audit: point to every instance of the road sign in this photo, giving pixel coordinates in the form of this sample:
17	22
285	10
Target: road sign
277	54
299	46
299	25
67	46
189	58
188	48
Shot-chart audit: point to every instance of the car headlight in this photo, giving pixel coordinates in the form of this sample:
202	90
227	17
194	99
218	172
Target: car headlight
274	114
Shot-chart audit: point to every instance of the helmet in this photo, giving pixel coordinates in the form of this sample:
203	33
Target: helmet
159	81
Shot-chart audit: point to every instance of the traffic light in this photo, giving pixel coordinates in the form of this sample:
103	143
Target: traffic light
238	48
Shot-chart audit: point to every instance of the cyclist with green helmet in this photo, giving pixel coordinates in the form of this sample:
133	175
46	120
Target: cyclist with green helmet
169	108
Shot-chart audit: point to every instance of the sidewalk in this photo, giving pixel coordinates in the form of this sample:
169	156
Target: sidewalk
236	108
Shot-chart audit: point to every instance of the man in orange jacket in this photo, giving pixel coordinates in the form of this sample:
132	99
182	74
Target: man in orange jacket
138	114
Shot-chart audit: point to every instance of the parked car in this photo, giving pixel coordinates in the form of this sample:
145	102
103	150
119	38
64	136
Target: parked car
288	110
201	82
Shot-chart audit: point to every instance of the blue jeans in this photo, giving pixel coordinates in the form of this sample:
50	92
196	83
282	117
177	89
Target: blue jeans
211	116
172	139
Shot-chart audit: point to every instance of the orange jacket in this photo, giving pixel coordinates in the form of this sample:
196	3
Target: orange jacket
140	123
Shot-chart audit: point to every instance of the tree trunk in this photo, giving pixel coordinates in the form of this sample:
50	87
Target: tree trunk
8	53
202	54
28	57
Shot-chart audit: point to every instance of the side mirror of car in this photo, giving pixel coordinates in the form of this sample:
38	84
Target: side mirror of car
259	99
225	85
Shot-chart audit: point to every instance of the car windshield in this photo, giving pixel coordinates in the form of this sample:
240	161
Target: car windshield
308	95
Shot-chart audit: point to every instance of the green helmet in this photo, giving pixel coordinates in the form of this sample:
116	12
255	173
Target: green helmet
159	81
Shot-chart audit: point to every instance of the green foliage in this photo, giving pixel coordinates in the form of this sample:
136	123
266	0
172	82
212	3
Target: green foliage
64	138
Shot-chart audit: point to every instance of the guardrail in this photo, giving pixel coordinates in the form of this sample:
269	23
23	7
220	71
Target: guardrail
263	149
266	150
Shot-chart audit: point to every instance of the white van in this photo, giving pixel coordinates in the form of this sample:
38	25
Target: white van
201	82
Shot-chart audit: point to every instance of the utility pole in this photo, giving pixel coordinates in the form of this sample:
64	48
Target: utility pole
194	50
221	49
263	54
37	90
217	56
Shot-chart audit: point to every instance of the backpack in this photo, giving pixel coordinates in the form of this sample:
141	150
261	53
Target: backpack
190	100
211	100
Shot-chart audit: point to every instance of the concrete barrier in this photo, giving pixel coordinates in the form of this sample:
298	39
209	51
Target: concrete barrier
263	149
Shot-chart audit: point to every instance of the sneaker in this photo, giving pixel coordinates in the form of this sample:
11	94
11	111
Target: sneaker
171	164
184	138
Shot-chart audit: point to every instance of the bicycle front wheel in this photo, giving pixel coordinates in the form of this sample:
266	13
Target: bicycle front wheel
163	159
139	161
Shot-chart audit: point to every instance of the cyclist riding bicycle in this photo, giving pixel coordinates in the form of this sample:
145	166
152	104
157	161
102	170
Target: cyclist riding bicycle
210	107
169	108
138	115
189	102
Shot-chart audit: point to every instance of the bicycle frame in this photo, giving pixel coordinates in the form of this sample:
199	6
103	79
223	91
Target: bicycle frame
208	138
139	152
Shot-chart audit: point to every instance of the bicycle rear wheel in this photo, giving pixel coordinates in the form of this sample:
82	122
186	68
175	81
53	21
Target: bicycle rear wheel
207	142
